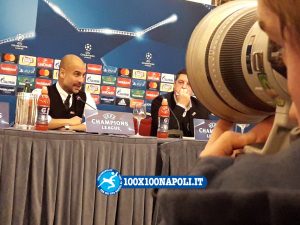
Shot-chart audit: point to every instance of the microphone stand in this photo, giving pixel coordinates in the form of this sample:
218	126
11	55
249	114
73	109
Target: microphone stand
176	133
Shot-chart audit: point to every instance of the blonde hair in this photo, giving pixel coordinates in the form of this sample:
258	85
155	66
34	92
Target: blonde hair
288	12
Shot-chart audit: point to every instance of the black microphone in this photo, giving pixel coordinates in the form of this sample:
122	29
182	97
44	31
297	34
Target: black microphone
175	132
78	98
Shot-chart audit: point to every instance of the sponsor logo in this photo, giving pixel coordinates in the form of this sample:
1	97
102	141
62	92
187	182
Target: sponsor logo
23	79
107	100
94	68
41	72
122	102
123	82
110	70
87	54
109	80
152	85
92	88
125	72
45	62
134	102
96	99
150	95
8	80
153	76
108	90
11	69
137	93
167	78
27	60
138	84
5	90
27	70
123	92
56	64
55	74
8	57
166	87
39	82
93	79
148	60
139	74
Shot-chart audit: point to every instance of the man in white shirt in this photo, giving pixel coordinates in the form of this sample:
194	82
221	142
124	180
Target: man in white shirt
67	101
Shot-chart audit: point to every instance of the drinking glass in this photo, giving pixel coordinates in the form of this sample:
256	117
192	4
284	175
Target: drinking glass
139	112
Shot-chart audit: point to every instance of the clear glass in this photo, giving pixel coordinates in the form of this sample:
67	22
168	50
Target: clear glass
139	113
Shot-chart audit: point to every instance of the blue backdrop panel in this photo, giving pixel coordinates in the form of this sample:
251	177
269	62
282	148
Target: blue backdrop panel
139	35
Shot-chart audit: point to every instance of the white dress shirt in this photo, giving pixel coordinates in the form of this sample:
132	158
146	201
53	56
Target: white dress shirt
63	94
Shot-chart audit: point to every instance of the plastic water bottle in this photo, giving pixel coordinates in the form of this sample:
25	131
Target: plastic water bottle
163	119
43	107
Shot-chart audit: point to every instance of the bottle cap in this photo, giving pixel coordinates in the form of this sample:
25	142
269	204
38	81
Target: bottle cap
164	101
44	90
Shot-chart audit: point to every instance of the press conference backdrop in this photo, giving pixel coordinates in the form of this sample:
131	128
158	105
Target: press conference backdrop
132	49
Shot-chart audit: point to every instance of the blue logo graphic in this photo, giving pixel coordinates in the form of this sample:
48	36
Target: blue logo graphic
109	181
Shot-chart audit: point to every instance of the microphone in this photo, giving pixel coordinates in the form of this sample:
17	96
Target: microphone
175	132
78	98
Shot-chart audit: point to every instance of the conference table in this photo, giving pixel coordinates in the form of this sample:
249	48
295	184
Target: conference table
49	178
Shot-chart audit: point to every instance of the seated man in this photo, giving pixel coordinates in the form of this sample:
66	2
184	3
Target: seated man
182	105
67	100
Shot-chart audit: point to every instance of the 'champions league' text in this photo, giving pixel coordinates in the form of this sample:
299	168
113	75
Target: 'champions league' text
110	124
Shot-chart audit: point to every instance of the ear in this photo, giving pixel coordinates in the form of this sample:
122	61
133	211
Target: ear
62	73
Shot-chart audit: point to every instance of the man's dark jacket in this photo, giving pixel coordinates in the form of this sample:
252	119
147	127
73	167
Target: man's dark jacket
186	123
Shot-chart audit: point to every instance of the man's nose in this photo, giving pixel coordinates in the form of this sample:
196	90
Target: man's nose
184	85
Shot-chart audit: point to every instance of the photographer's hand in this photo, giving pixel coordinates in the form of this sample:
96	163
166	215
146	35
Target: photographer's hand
224	142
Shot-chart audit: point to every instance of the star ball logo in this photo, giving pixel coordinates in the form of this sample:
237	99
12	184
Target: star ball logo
87	54
88	47
148	58
19	42
109	182
20	37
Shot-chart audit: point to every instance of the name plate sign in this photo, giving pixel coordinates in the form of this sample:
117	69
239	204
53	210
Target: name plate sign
98	121
4	114
203	129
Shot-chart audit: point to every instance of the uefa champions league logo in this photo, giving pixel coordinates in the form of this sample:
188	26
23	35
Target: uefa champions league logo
87	54
20	37
109	182
148	57
88	47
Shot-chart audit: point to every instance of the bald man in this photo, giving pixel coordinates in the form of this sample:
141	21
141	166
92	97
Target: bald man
66	111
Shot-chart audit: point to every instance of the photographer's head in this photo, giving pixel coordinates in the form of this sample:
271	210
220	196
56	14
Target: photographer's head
281	21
